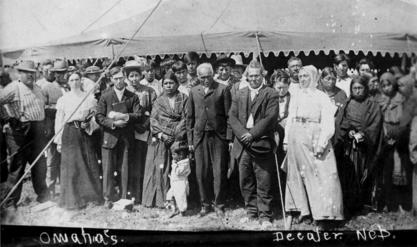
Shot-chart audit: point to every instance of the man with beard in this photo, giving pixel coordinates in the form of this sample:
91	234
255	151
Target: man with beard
25	131
294	65
53	91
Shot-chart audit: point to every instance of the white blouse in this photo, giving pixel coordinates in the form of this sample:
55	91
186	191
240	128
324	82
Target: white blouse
67	104
314	106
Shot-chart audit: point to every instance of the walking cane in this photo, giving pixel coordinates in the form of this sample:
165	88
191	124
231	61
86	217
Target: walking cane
281	192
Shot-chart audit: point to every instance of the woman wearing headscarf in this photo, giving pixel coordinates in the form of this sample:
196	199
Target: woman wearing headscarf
395	163
313	186
357	142
80	172
167	125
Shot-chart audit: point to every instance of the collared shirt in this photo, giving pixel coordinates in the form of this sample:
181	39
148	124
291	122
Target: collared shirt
344	84
224	82
192	81
119	93
155	84
53	91
243	83
282	103
294	88
253	93
185	88
42	82
29	104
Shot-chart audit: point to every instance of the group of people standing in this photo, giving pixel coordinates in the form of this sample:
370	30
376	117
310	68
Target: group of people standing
338	142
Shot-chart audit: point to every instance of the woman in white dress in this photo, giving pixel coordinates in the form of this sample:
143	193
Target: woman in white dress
80	173
313	186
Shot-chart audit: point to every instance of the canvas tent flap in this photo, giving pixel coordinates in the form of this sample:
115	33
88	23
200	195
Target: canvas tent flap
230	26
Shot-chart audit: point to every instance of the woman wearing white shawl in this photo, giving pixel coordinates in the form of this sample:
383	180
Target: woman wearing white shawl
313	186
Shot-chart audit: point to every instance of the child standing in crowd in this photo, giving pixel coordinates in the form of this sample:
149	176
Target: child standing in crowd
180	169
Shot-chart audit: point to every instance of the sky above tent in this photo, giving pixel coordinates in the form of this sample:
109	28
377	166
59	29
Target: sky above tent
25	23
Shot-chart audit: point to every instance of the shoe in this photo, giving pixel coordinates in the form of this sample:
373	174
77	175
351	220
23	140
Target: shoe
174	213
204	211
220	212
248	219
306	219
43	198
265	223
108	204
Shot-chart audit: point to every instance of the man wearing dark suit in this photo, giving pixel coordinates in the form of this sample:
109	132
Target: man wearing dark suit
208	105
252	117
117	112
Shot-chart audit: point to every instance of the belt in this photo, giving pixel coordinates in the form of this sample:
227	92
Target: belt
75	123
305	120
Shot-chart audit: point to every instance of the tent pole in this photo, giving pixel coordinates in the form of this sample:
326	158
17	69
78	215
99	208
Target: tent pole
258	43
75	110
204	43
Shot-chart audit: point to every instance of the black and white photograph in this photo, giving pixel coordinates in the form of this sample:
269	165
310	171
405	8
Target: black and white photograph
208	122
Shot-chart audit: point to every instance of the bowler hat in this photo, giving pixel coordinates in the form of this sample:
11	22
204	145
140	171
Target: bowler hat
223	59
92	70
60	66
26	65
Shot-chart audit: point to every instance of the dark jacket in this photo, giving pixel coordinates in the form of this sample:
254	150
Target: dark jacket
207	112
109	102
264	109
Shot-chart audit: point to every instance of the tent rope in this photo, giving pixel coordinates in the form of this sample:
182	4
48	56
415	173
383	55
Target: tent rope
79	105
204	43
101	16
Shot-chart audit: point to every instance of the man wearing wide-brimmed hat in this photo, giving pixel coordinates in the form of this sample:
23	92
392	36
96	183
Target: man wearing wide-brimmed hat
223	68
25	133
238	69
53	91
91	76
48	75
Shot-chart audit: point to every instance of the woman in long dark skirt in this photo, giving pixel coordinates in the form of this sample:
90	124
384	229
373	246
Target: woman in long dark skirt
357	143
80	174
167	125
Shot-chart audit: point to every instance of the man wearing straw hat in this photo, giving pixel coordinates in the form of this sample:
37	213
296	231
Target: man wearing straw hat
25	132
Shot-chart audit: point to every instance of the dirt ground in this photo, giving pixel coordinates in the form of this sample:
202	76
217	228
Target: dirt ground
141	218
